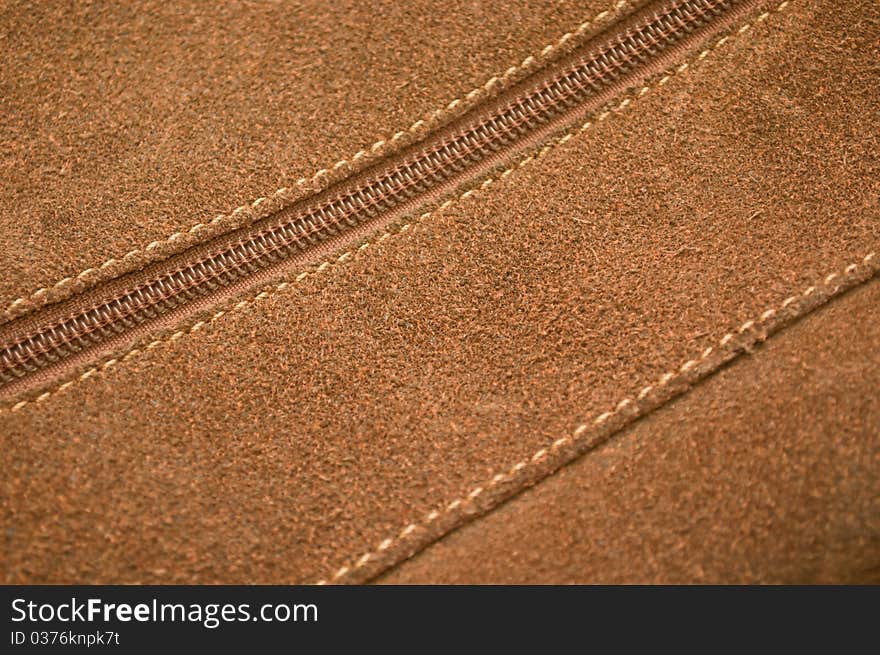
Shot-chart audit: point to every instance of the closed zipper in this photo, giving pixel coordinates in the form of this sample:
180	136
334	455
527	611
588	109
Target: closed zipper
43	344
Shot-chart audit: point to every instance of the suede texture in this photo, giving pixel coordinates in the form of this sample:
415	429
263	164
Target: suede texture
725	485
122	125
289	439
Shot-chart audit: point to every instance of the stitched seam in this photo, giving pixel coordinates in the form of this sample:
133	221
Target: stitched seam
753	328
248	212
345	256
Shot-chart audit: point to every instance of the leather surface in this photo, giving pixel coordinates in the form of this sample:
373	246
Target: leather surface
125	126
300	432
767	473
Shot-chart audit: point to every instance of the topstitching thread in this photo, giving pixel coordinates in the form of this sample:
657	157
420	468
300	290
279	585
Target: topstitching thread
248	212
345	256
580	433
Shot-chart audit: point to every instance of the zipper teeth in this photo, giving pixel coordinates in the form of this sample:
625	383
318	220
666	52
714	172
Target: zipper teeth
417	174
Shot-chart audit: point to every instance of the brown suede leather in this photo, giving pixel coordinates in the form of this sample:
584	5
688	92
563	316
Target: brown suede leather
298	438
126	124
766	473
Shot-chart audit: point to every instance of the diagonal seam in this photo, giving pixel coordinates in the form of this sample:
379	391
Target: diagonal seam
348	255
266	205
506	483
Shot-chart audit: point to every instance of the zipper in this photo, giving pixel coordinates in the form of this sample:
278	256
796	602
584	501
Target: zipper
40	346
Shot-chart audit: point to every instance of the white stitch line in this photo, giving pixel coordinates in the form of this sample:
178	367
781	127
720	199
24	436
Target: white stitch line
324	265
602	418
131	354
301	182
540	454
